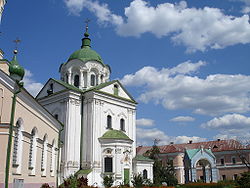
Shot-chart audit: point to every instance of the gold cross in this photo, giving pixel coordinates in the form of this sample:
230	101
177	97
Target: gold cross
17	41
87	24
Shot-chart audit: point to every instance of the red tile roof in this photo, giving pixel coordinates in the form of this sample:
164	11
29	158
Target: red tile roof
215	146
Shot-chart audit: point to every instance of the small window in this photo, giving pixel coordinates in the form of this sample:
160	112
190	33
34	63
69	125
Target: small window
92	80
122	124
145	174
109	122
76	80
233	160
108	164
235	176
101	79
222	161
115	89
67	78
56	116
224	177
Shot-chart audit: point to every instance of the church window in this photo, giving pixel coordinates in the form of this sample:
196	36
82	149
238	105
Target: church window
32	152
44	155
122	124
92	80
145	174
109	122
17	153
76	80
67	78
108	164
101	79
116	89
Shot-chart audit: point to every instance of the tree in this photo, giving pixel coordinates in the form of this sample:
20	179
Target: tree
161	173
108	181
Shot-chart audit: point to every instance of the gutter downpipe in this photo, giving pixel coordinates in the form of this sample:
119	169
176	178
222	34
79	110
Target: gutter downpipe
12	116
58	157
81	152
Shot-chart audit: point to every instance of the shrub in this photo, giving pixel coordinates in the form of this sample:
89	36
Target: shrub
45	185
244	180
108	181
73	182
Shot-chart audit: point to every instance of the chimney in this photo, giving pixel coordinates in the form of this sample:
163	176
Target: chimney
190	142
171	143
218	139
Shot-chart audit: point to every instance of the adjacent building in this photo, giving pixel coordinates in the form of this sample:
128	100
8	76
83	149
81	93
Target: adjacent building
204	161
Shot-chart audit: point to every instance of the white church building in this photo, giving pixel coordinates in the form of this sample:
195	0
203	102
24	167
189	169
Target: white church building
99	117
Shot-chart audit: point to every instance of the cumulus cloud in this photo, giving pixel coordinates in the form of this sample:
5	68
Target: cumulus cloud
196	28
182	119
145	122
232	121
30	84
175	88
146	137
102	12
230	126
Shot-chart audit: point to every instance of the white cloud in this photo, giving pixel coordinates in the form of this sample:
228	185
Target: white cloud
213	95
30	84
145	122
102	12
146	137
195	28
182	119
232	121
230	126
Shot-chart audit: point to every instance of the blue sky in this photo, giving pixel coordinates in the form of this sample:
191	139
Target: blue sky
186	62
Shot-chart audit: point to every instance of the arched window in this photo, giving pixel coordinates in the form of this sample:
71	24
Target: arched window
44	155
33	149
92	80
116	89
18	147
109	122
122	124
108	164
102	78
76	80
145	174
66	78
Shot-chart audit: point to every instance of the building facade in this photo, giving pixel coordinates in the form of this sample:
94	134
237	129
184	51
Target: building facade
34	142
99	136
210	161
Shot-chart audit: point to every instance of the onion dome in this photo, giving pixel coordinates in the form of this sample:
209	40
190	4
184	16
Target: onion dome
16	71
86	53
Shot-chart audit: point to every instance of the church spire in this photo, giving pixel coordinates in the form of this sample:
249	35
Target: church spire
86	40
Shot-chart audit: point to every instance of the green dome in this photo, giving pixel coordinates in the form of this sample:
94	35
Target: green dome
16	71
86	53
115	134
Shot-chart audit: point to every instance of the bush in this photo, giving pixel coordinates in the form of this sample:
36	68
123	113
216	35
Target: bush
244	180
45	185
73	182
108	181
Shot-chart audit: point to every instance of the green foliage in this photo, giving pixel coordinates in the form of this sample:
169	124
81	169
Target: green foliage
74	182
138	181
244	180
108	181
161	173
208	185
45	185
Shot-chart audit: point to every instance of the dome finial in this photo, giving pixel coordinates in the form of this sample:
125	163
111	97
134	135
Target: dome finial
86	40
15	70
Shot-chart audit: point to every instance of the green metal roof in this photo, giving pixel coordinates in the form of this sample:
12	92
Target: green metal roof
115	134
83	171
86	54
142	158
191	152
15	68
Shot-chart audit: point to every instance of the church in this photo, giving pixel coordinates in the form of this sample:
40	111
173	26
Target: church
99	136
88	127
